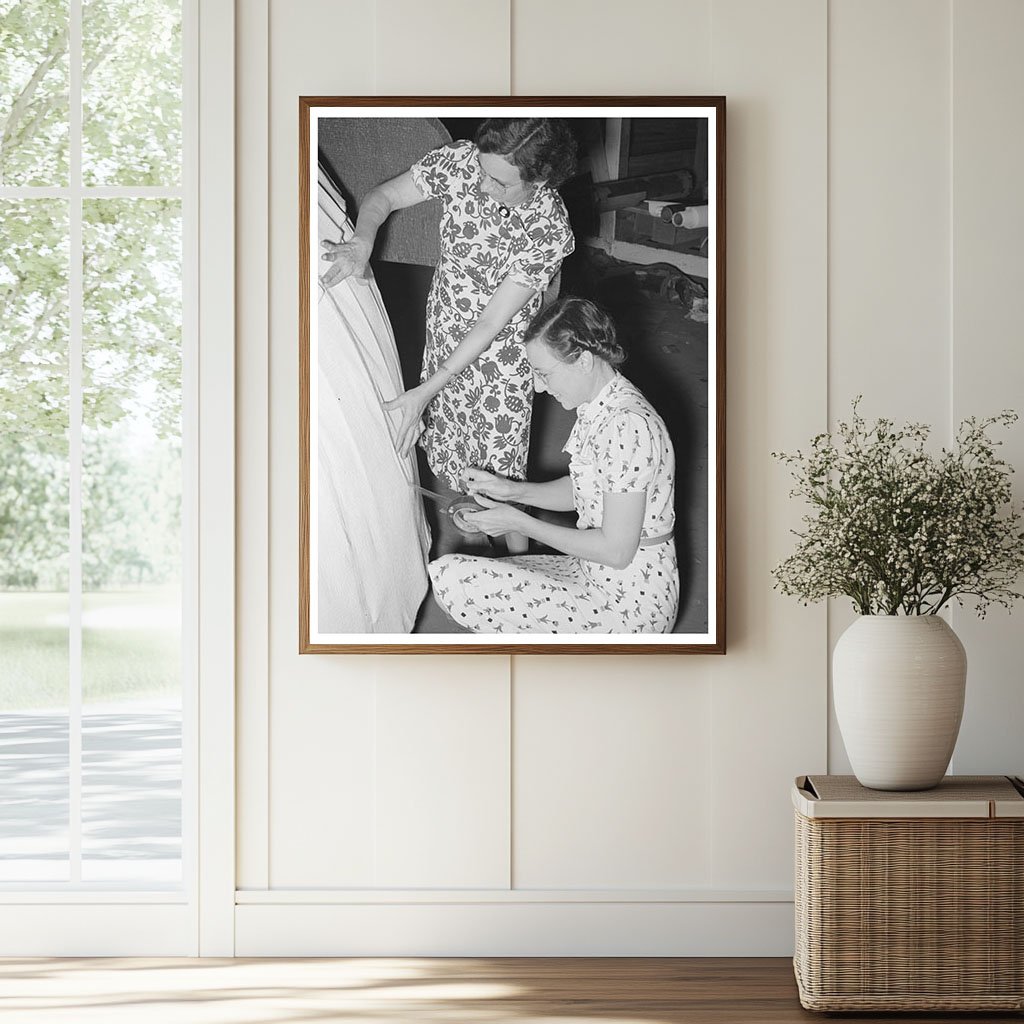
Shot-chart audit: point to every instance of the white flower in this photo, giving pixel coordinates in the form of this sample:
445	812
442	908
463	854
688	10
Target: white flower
898	529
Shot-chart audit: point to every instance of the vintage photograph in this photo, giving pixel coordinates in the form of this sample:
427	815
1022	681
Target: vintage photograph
512	375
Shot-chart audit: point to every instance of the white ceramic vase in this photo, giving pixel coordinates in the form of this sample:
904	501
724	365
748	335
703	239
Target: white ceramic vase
898	685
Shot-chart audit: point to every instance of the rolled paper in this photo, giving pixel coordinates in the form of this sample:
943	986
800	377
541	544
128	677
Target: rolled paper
691	217
657	207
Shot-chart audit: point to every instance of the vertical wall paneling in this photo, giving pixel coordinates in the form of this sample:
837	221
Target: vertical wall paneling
442	727
769	692
217	561
323	759
442	777
611	755
442	48
579	48
987	367
888	223
612	775
320	708
889	208
253	464
324	730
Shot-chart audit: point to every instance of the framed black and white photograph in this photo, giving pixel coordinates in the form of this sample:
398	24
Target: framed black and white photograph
512	375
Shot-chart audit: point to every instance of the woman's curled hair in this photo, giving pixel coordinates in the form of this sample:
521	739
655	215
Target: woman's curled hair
572	326
542	148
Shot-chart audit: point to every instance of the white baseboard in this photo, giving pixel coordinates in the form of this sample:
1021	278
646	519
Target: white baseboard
99	928
514	928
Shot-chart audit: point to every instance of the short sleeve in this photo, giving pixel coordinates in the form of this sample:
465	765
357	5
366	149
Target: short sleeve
442	169
548	241
627	451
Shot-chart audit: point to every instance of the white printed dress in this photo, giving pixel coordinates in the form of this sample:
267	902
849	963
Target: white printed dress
482	417
618	445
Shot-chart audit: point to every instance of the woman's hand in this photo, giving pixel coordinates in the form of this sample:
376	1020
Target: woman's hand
349	259
410	404
479	481
496	519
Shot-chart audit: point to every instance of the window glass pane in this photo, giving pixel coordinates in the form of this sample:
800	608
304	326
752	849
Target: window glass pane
34	788
131	541
131	781
131	92
33	92
33	540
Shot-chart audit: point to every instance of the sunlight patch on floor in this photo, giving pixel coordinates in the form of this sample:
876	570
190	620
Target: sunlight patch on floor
222	991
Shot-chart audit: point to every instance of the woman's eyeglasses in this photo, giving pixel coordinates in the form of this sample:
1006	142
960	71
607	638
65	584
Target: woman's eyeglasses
497	186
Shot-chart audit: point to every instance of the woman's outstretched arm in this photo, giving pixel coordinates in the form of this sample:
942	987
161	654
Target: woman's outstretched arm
553	495
508	298
613	543
349	258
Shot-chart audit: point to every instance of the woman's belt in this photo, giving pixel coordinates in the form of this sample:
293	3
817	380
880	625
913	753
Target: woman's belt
649	542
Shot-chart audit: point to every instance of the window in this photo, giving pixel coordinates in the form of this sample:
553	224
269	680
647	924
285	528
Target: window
95	455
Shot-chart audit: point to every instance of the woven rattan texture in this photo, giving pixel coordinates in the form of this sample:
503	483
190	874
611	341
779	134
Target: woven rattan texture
960	787
915	914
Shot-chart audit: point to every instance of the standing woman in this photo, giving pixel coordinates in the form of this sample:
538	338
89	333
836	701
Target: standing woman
503	235
618	573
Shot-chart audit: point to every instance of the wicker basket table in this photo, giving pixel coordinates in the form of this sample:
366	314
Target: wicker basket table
910	901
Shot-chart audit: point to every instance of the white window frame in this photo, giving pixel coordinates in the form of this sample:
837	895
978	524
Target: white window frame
216	391
51	919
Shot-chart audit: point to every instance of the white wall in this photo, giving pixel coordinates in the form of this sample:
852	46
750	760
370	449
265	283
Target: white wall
556	805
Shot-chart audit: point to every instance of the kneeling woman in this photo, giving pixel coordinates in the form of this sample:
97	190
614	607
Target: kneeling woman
618	573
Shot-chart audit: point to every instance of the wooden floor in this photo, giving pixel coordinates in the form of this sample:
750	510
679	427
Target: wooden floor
382	991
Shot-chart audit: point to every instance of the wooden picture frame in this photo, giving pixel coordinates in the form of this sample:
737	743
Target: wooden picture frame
647	215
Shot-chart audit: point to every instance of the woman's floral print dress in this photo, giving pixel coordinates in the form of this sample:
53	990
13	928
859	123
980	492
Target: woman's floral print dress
482	416
619	445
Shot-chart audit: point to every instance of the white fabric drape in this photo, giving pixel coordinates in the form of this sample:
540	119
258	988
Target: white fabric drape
372	539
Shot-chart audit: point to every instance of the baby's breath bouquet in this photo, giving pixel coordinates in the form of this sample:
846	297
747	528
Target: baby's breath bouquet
900	530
